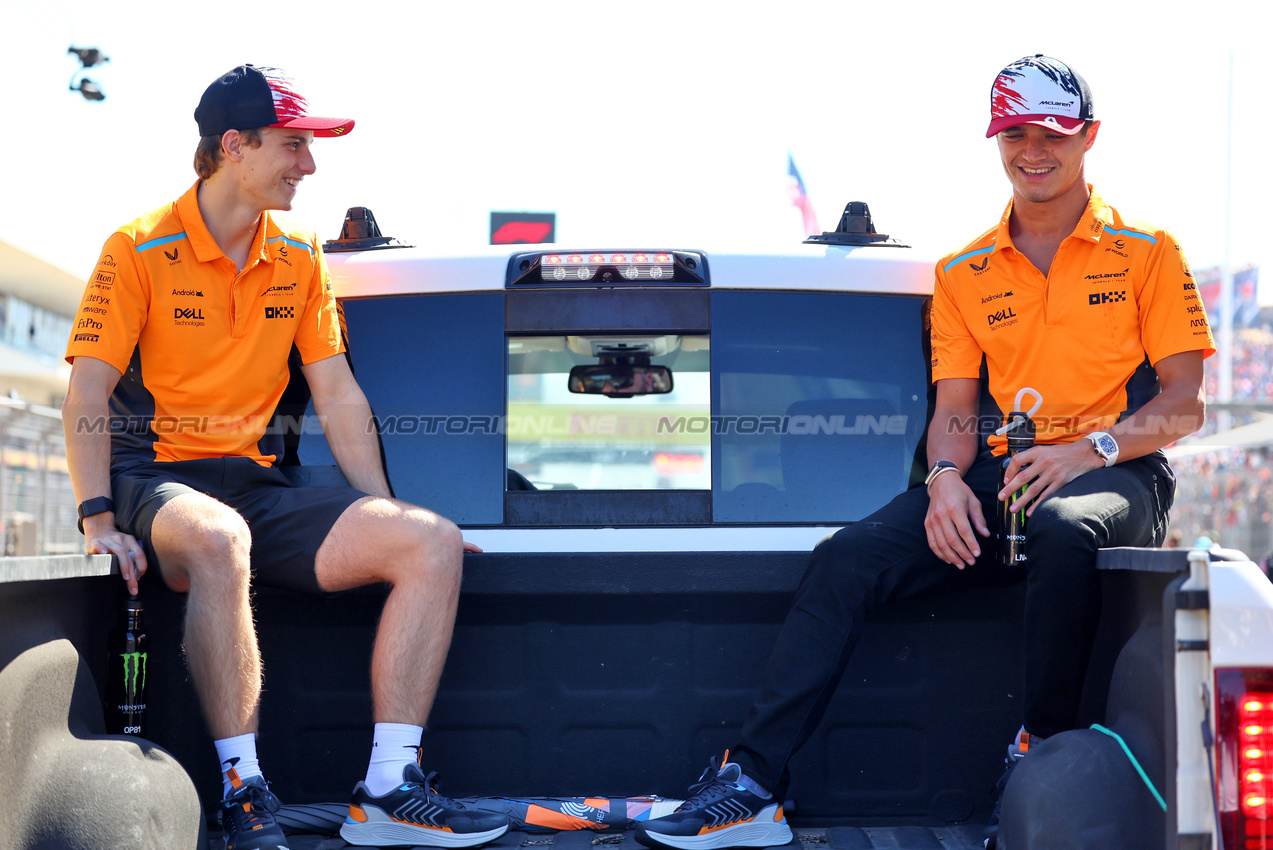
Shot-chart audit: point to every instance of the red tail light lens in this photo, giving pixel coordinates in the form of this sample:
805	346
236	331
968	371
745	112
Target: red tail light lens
1244	727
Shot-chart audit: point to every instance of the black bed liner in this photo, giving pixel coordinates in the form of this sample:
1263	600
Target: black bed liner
619	676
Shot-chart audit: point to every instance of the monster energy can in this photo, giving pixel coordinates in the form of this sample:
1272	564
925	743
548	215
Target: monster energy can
1012	519
126	674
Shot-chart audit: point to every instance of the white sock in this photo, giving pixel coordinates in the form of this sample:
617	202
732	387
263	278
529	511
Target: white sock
238	760
395	746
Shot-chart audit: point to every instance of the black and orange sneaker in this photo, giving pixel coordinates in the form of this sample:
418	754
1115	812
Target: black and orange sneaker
415	814
247	816
721	812
1017	750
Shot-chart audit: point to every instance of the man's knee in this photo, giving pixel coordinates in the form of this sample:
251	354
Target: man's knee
1057	530
199	539
426	546
841	560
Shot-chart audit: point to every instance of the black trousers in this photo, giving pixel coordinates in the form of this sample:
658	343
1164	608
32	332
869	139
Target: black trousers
886	556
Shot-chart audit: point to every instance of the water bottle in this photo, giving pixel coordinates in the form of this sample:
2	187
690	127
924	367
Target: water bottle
1020	433
126	673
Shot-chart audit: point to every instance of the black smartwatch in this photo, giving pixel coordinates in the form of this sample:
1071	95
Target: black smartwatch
938	468
93	507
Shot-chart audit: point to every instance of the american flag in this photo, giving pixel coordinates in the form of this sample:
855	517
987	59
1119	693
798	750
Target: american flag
800	198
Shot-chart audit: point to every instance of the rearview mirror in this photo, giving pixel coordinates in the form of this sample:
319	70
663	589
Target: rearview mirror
621	379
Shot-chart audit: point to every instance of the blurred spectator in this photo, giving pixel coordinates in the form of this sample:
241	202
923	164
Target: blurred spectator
1227	493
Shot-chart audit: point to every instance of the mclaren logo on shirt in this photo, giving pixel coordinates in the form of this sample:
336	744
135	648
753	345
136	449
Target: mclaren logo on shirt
1107	276
280	312
276	291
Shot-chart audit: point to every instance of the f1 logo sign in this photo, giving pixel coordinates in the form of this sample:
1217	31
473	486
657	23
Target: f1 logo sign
515	228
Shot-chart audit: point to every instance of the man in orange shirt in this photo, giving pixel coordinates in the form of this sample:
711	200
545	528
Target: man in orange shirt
1095	321
179	358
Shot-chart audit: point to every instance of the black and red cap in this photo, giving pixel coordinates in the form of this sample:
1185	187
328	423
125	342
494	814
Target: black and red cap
251	96
1039	90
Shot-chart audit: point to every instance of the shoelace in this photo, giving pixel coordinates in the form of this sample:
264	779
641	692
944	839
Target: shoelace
709	787
429	785
261	804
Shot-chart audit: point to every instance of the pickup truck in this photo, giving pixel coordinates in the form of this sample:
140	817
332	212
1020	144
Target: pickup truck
647	441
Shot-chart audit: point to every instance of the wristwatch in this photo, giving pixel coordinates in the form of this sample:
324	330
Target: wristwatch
93	507
1106	446
938	468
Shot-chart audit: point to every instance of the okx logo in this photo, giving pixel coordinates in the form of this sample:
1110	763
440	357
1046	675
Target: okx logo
280	312
134	680
1097	298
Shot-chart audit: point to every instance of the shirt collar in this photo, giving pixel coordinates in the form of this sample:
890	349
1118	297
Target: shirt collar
1096	216
205	247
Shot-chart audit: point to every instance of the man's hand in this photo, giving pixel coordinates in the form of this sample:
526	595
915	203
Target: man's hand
953	514
1043	470
101	537
472	547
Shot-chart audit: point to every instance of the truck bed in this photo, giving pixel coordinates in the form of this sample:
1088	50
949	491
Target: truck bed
569	680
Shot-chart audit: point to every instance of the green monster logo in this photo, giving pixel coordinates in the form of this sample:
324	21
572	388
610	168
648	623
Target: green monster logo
134	665
1016	497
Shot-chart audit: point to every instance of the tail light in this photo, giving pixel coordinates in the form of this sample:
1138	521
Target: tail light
1244	723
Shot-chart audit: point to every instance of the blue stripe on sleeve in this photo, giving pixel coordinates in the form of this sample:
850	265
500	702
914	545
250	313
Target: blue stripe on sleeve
1132	233
293	243
967	256
162	240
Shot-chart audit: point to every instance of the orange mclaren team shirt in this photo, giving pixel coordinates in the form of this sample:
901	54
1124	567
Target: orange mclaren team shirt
1078	344
202	349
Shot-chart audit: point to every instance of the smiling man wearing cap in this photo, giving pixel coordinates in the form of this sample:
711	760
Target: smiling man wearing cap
1095	319
182	345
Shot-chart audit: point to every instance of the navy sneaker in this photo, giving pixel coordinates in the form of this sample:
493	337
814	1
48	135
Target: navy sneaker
720	812
415	814
1017	751
247	816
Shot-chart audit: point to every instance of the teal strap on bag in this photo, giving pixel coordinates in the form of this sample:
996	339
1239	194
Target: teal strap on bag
1152	790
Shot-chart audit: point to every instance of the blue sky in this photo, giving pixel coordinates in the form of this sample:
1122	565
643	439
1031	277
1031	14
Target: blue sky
639	123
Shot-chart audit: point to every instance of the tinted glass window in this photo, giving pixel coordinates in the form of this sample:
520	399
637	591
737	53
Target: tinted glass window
819	401
609	440
432	367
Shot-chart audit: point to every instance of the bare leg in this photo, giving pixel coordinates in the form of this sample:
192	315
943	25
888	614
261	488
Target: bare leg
421	555
203	549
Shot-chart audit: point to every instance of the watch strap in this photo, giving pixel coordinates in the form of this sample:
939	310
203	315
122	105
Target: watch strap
93	507
1105	445
938	468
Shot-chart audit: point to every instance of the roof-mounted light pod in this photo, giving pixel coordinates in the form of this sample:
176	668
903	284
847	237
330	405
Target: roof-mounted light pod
361	233
855	229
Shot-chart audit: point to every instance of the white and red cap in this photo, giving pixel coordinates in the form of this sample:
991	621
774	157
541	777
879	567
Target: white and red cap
1039	90
251	96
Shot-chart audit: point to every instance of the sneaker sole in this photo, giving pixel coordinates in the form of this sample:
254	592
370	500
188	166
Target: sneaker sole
380	830
750	834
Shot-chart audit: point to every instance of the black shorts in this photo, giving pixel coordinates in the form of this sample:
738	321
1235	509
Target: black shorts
287	523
